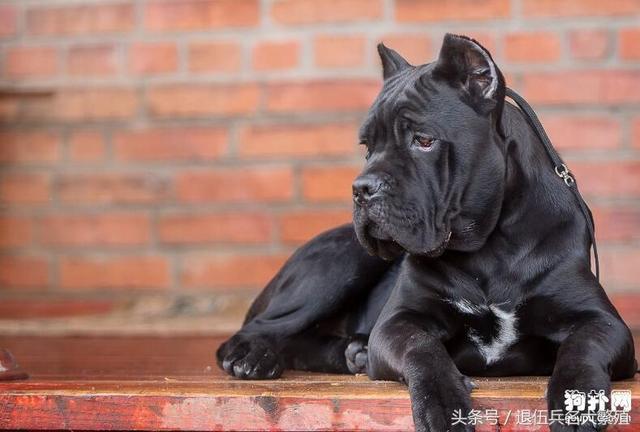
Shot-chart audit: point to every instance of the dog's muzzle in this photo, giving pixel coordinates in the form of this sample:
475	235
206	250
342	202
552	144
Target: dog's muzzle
365	188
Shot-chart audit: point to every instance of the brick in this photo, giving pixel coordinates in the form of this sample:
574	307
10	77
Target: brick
532	47
339	51
298	140
9	109
96	104
24	189
185	100
565	8
620	267
362	152
635	131
230	271
616	224
328	183
630	43
123	272
614	179
200	14
83	104
80	19
452	10
583	131
111	189
96	60
24	272
29	147
275	55
31	62
214	57
171	144
589	44
297	12
8	20
415	48
300	226
226	228
321	96
582	87
153	58
86	146
104	229
15	231
273	184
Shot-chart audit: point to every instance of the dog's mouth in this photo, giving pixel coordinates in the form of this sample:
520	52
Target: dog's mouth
379	242
377	233
439	250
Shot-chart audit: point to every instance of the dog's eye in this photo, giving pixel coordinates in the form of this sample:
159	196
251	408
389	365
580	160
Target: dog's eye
423	142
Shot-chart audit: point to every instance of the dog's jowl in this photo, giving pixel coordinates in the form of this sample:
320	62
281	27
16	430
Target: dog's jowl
468	256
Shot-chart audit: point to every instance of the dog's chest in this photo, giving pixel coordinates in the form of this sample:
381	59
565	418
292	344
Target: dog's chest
492	328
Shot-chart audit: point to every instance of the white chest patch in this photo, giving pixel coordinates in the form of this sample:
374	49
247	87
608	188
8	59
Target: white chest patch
505	336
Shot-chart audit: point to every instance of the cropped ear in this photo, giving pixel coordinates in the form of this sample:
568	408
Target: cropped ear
392	62
468	66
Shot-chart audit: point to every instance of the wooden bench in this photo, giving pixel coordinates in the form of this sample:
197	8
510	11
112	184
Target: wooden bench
172	383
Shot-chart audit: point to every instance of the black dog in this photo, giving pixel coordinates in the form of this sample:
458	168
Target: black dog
471	258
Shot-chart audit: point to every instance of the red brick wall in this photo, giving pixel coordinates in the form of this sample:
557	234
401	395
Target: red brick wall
165	145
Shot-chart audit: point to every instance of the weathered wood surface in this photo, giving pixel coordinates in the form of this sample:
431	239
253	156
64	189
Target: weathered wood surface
155	383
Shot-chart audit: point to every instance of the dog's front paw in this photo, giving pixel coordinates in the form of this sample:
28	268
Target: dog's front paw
357	356
442	404
569	393
250	357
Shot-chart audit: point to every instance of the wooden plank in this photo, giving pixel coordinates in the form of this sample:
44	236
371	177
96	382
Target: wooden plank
152	383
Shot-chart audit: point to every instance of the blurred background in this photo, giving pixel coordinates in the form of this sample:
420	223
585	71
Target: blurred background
160	159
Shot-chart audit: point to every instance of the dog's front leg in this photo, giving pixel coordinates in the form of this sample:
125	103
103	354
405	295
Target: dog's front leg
598	349
405	348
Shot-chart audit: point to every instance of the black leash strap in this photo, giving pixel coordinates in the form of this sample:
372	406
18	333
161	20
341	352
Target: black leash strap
559	167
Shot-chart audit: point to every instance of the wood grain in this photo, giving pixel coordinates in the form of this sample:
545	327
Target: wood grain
169	383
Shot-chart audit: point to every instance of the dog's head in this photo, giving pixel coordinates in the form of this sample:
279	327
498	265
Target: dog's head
435	170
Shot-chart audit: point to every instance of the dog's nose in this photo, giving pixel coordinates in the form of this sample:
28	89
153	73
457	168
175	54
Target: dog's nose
366	187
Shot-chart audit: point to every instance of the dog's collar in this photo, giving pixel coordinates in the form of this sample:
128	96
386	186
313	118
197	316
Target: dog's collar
560	168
